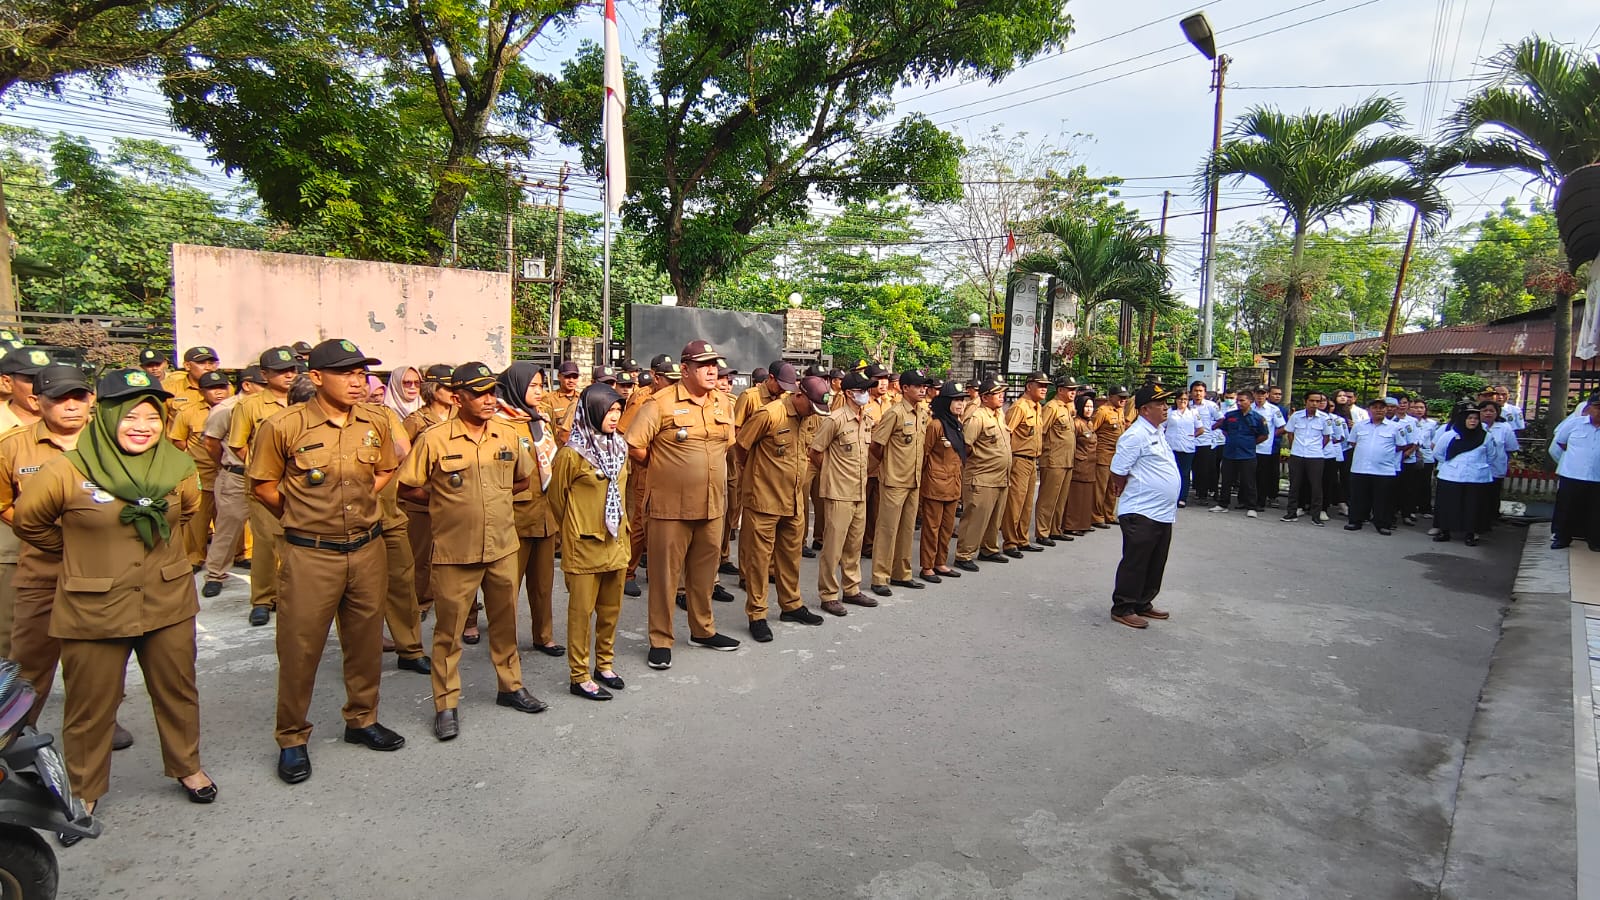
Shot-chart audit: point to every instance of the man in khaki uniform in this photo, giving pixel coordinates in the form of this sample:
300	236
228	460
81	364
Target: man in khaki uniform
467	471
320	467
229	486
839	452
187	429
438	405
184	386
984	479
761	391
819	509
18	368
879	392
682	434
1108	423
154	364
808	430
898	441
279	367
1060	442
774	526
1023	421
400	609
637	472
560	403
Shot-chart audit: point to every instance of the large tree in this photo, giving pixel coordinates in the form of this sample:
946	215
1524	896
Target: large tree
755	109
1540	115
1319	166
45	42
1506	269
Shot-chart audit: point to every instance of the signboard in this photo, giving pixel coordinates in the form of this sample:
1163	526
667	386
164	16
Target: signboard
1063	317
997	322
1342	337
1022	327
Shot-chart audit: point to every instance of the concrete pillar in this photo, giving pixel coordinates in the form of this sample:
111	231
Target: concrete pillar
802	331
971	346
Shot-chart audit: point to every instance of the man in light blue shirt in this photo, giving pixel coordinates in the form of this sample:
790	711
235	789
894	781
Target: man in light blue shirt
1577	513
1145	481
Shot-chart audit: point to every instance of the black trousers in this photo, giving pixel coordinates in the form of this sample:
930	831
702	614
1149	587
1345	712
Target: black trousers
1372	499
1305	483
1145	543
1205	471
1577	515
1266	478
1240	472
1409	488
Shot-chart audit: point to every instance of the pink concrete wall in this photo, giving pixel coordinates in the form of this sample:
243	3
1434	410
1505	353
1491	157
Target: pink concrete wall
243	301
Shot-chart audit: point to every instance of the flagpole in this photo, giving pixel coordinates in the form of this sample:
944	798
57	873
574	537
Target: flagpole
605	289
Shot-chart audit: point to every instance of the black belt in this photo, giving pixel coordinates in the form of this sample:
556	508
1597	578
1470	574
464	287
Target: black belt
1020	456
237	470
350	546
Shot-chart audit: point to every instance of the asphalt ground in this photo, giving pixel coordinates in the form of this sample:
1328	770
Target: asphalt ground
1296	730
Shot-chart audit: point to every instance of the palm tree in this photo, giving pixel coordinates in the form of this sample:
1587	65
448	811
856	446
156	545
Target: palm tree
1318	166
1541	116
1100	259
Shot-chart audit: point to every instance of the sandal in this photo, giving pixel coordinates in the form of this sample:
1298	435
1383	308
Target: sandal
206	794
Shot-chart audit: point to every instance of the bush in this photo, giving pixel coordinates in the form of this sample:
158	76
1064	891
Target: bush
1458	385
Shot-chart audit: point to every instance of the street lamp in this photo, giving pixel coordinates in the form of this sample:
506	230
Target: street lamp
974	319
1197	28
795	299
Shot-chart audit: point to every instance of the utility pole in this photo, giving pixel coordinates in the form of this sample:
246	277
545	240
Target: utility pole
1147	346
1394	306
1208	288
561	251
8	299
513	200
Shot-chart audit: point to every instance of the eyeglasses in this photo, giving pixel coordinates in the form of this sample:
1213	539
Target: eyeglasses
410	382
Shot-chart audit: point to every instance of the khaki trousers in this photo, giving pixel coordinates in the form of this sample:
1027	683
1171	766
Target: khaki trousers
869	531
686	549
1104	506
8	604
938	525
536	561
735	511
318	588
419	533
980	522
1052	502
400	604
819	509
637	517
1019	501
34	650
596	597
197	531
231	512
454	589
264	560
891	546
93	673
841	549
771	543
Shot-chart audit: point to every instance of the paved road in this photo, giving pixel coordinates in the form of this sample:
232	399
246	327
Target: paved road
1294	731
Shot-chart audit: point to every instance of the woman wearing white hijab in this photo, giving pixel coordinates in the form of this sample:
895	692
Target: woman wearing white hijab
404	394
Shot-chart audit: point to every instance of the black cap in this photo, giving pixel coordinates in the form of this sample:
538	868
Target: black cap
876	371
438	373
725	371
9	339
1066	381
660	361
855	381
25	361
815	370
992	385
337	353
213	380
670	372
149	357
835	373
118	384
57	381
569	367
1038	378
629	365
758	375
603	375
301	348
277	359
1151	393
952	390
473	376
788	380
1116	390
200	354
646	379
915	378
252	374
625	378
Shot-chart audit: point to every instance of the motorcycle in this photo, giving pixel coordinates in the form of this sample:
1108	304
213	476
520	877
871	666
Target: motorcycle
34	794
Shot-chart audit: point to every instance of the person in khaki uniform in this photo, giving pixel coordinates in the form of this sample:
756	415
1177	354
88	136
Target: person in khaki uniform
113	508
759	394
468	470
637	472
188	433
520	389
438	405
984	479
400	611
772	449
560	403
232	533
839	452
944	452
1109	422
587	491
897	444
1056	451
279	367
682	434
1082	492
1023	420
184	386
15	412
319	468
879	392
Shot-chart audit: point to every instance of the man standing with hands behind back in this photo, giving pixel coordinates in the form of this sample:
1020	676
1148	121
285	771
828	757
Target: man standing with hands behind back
1145	481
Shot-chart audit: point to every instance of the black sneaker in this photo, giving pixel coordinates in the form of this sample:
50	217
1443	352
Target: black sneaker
760	631
720	593
800	614
1291	517
211	589
808	553
1317	521
683	602
660	658
1353	526
631	588
716	642
727	568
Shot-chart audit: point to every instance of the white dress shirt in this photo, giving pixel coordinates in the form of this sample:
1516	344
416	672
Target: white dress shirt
1377	448
1275	420
1180	428
1152	489
1512	415
1427	434
1471	467
1505	443
1359	415
1339	434
1207	412
1580	459
1309	430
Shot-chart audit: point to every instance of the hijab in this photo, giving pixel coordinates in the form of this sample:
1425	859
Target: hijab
952	424
392	397
1467	438
140	480
608	453
512	390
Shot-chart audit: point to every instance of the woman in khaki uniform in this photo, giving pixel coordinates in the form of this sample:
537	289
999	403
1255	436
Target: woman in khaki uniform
1083	490
520	390
113	508
945	449
586	492
438	405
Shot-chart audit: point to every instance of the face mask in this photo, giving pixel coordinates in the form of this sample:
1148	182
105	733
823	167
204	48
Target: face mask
860	397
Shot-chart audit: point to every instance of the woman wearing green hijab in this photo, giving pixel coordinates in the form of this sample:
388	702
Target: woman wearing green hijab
113	509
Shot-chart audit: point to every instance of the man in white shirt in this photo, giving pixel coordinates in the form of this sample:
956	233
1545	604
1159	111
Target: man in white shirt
1422	482
1308	432
1577	443
1269	404
1378	444
1207	451
1145	481
1411	461
1510	413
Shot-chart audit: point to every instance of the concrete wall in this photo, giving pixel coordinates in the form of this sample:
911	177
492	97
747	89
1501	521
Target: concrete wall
242	302
969	346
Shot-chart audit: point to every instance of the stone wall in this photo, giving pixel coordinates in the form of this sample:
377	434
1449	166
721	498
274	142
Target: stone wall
971	346
802	331
583	351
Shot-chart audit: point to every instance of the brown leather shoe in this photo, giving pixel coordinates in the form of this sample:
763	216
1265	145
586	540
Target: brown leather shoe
1132	621
860	600
834	607
1153	613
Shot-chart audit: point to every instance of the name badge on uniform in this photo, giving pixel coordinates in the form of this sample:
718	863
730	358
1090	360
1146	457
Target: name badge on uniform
27	470
505	456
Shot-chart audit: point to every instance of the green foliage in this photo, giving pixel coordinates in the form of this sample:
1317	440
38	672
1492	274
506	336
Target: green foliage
1503	272
43	43
1101	259
1457	385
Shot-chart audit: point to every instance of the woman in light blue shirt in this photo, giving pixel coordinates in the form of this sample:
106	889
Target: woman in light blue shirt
1504	443
1182	428
1463	454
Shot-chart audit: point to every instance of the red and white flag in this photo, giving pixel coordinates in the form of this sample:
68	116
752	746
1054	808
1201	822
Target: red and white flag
616	172
1011	243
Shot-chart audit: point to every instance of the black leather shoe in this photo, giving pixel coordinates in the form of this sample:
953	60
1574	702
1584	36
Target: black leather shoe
1560	544
374	737
207	794
121	738
1104	525
1030	548
599	693
1013	552
551	649
816	545
632	588
994	558
260	615
721	594
808	553
882	590
1386	531
947	573
908	583
421	664
294	764
760	631
1353	526
613	681
446	724
520	700
966	565
727	568
1044	541
211	589
931	579
683	602
1061	537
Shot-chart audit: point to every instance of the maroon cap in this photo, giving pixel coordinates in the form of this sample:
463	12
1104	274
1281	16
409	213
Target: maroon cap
785	375
699	351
